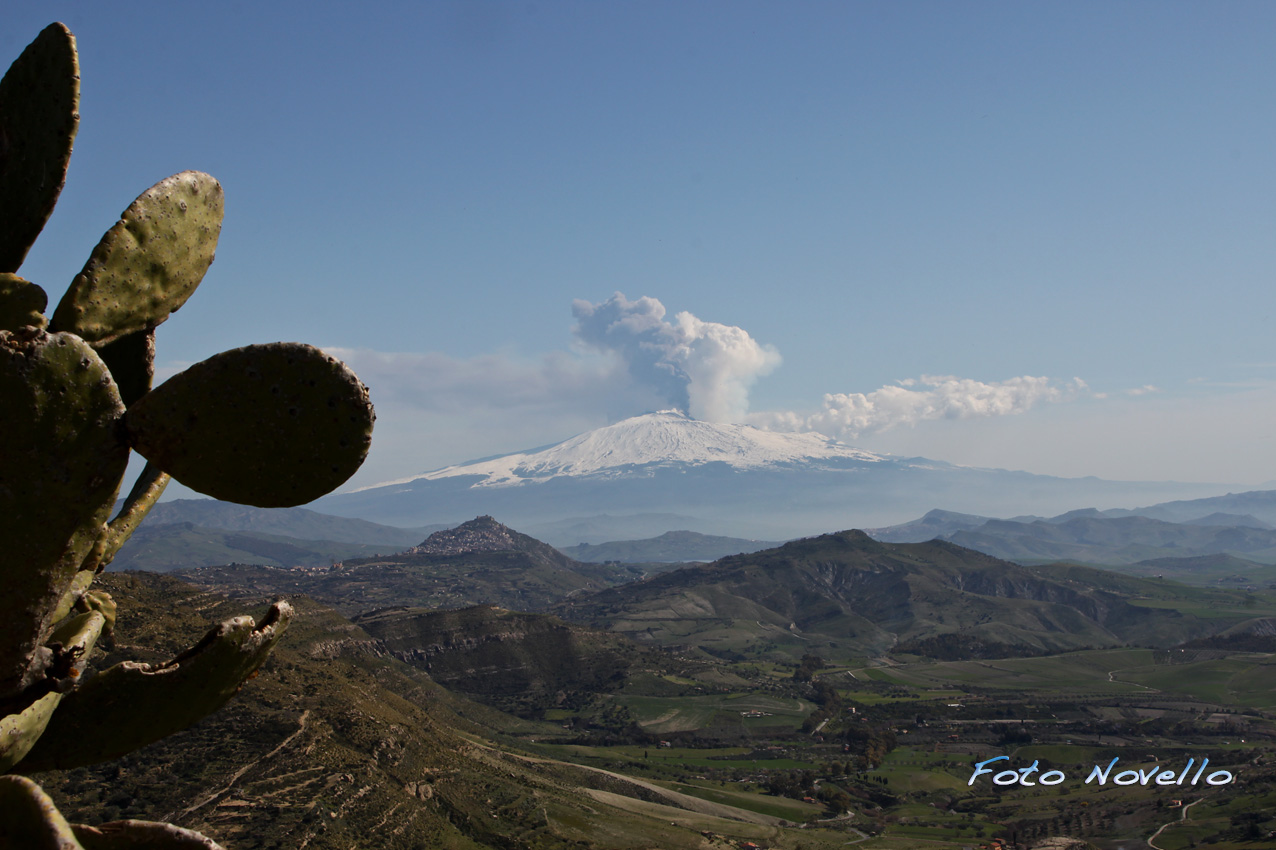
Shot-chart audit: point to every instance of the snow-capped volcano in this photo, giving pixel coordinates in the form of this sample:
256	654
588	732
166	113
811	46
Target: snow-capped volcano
722	479
664	439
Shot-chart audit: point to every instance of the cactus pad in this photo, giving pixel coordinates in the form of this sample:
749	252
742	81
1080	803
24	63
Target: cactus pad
39	114
28	818
149	263
268	425
141	835
22	304
60	468
20	731
130	705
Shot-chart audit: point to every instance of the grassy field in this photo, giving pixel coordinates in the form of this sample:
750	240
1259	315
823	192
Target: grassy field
1075	671
664	715
1248	681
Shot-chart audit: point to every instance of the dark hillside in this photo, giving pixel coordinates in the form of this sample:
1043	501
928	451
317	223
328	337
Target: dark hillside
521	663
860	595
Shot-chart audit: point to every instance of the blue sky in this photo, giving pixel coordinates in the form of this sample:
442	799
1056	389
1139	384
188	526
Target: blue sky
841	196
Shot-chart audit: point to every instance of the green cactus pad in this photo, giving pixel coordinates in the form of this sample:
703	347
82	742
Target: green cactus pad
81	599
19	732
268	425
146	491
22	304
29	819
148	264
39	113
141	835
130	705
70	600
62	460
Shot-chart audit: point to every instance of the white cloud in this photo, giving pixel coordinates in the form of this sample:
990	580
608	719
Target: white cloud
848	415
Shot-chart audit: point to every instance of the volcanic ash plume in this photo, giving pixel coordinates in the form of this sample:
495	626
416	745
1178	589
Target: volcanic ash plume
703	368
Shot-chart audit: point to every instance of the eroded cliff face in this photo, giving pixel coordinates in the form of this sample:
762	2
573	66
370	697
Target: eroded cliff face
518	661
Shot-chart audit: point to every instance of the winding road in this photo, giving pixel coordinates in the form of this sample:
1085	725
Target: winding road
1162	828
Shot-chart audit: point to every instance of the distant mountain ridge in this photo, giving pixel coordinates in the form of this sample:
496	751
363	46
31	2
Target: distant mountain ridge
668	547
479	562
1110	540
202	532
844	592
184	545
190	533
1184	530
300	523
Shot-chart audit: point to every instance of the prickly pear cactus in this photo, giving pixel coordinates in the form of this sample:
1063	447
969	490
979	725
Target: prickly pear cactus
269	425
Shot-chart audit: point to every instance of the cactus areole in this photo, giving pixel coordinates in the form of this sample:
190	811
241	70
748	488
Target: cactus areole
269	425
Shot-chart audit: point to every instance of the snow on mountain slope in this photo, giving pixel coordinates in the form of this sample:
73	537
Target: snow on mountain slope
666	438
730	480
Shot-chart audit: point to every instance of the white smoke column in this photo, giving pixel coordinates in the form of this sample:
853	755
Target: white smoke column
848	415
721	362
703	368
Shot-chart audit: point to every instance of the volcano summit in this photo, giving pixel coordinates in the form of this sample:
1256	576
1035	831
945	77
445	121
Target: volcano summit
644	444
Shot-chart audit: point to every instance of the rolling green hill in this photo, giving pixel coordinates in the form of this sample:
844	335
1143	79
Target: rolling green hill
847	594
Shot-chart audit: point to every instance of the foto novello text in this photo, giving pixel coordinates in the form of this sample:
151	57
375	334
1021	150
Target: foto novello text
1156	774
